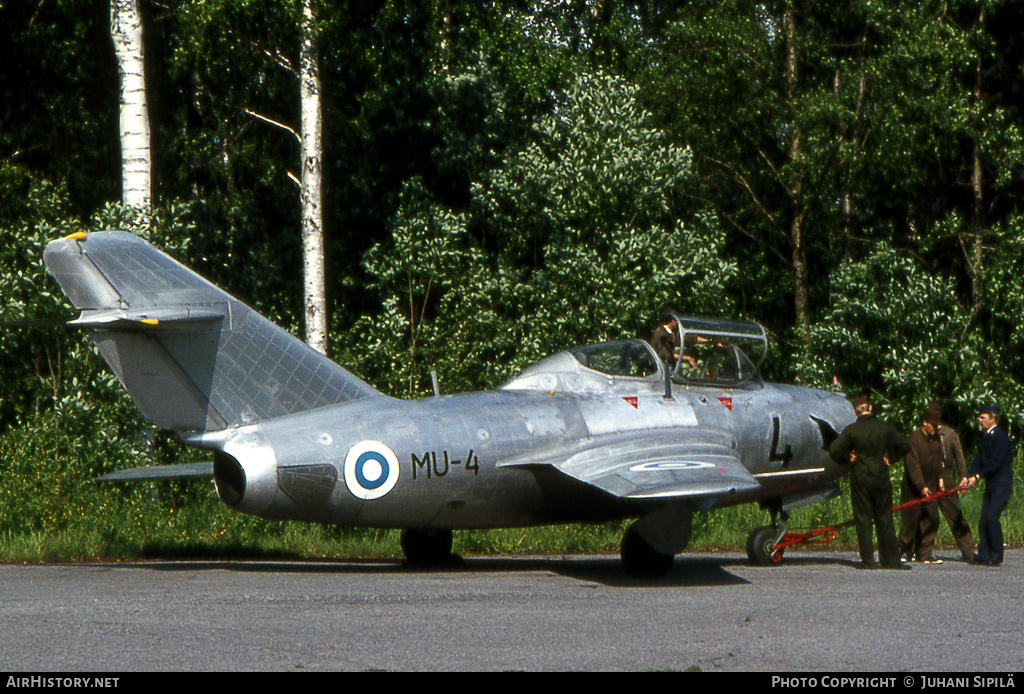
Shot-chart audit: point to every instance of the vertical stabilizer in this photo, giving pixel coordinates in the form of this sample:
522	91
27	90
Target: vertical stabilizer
192	357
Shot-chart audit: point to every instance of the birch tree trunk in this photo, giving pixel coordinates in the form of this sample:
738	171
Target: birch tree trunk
312	214
136	163
972	244
796	227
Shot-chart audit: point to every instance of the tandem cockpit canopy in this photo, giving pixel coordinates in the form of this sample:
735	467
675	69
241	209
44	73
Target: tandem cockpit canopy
718	353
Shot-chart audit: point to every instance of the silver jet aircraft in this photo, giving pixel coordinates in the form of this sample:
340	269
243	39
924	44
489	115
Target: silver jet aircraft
600	432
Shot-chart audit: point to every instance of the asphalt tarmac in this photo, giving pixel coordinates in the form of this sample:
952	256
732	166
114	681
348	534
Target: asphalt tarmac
814	613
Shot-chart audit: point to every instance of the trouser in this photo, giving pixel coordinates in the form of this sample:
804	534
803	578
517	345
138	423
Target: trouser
872	510
954	514
918	526
990	529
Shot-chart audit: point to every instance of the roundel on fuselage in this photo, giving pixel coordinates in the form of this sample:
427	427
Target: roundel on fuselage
371	470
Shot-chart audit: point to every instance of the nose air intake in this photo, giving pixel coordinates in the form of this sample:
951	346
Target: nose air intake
229	477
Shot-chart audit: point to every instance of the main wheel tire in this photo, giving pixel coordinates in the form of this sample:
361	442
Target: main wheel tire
759	546
640	560
427	547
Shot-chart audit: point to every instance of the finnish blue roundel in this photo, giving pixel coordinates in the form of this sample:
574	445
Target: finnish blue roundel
371	470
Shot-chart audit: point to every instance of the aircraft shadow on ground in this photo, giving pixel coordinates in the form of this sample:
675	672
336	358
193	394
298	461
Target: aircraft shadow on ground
687	571
684	573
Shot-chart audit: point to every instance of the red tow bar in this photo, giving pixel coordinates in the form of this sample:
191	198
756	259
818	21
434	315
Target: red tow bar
828	533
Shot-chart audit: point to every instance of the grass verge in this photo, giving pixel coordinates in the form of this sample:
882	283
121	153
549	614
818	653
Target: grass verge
202	528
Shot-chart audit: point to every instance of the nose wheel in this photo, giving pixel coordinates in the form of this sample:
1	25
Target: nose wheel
761	544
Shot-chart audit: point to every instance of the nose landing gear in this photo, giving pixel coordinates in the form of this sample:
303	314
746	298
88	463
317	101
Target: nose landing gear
762	549
764	546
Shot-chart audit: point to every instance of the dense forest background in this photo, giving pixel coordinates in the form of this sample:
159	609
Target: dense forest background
505	179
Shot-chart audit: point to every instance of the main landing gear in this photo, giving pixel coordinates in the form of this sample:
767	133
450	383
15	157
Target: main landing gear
650	545
427	547
640	560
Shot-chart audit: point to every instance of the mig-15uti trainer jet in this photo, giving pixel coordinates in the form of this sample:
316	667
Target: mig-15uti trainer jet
599	432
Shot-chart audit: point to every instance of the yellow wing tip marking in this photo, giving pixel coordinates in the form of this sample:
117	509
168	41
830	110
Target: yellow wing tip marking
77	236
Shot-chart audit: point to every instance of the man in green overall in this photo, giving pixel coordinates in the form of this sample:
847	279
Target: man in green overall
870	446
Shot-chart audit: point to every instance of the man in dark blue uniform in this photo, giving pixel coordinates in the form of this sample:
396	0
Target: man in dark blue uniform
994	463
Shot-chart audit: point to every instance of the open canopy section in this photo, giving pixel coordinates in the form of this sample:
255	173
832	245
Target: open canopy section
717	352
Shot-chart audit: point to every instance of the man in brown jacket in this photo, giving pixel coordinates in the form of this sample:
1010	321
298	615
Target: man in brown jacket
934	451
954	470
921	472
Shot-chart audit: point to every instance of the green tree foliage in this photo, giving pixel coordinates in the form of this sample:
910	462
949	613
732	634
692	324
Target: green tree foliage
881	128
849	174
35	362
58	98
737	81
889	331
573	239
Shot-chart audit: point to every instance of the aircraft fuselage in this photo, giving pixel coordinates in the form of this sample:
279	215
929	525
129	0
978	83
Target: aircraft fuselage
437	462
604	431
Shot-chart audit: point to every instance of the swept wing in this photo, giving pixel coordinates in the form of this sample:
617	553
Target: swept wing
666	465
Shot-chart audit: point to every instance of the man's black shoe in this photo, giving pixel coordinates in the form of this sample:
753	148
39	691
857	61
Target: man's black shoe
984	562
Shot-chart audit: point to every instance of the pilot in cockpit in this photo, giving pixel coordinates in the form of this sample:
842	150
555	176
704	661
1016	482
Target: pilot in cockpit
665	339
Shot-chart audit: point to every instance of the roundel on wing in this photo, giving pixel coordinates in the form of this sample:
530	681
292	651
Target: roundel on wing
371	470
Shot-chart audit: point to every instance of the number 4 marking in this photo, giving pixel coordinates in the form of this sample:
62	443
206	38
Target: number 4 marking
787	455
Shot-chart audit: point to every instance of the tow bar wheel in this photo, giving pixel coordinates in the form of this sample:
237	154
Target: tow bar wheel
760	545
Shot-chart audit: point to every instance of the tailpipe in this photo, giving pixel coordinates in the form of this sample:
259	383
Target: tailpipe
244	466
229	477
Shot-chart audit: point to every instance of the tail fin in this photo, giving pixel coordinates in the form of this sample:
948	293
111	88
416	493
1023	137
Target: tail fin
191	357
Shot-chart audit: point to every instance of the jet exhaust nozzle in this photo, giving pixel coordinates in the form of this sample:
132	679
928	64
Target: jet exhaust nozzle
244	466
229	476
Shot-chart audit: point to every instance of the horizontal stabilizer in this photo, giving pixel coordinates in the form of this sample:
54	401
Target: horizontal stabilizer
35	323
665	465
159	472
149	319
